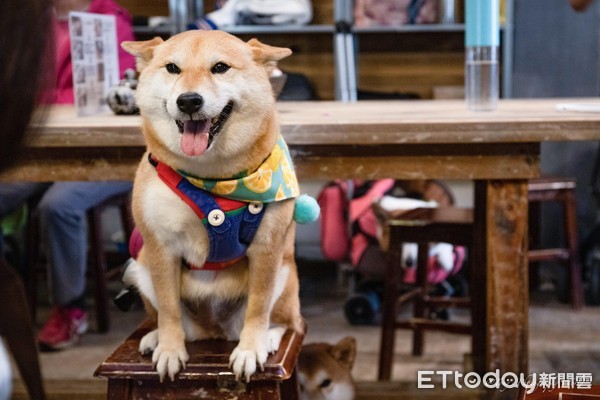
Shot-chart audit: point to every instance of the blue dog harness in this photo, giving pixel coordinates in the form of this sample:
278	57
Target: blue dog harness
230	224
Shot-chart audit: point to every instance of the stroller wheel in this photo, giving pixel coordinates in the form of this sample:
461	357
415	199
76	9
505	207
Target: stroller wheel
362	308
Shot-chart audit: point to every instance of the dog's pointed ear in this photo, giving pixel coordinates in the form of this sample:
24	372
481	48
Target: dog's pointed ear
267	55
345	351
142	51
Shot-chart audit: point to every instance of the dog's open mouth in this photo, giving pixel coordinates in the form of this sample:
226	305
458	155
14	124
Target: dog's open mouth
197	135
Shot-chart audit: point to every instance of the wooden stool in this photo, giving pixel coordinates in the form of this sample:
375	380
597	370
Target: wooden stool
207	374
560	190
97	255
421	226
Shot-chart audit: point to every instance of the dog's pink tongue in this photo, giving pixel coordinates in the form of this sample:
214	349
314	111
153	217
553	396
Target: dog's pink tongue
194	139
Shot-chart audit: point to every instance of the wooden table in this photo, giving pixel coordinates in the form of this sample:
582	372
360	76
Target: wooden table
500	150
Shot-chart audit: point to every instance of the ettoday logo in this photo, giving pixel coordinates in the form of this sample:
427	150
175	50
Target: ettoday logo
503	381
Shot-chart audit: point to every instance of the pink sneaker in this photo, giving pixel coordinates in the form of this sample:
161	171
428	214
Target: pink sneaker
63	327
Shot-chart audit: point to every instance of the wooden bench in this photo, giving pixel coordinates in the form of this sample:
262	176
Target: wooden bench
207	374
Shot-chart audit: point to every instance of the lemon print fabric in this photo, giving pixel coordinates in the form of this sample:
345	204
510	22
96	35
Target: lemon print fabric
224	188
260	181
274	180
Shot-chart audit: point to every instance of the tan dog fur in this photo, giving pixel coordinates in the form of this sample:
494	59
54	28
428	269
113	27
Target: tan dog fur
244	300
325	370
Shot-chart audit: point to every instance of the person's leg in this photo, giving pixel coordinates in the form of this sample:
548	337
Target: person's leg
63	215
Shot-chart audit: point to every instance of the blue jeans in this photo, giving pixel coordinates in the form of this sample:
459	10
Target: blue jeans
64	228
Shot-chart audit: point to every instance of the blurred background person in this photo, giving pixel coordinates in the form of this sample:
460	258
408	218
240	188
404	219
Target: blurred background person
24	70
63	205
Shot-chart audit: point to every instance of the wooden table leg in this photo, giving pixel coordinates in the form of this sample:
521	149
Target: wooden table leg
500	314
118	389
290	388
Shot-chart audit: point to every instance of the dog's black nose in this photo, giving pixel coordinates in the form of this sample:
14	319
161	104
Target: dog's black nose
190	103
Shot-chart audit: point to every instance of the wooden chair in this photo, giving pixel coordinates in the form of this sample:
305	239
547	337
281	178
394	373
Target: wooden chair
97	255
98	262
207	373
559	190
421	226
455	225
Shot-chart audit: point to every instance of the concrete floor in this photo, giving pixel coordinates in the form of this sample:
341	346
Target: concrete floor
561	340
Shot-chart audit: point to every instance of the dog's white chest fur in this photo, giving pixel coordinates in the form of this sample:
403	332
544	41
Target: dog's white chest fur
174	223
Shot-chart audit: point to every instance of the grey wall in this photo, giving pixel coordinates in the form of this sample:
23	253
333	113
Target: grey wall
557	54
556	50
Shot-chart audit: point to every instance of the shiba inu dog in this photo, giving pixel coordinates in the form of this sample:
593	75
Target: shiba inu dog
325	370
213	200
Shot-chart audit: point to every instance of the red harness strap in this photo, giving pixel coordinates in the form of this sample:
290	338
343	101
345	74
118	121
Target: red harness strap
172	179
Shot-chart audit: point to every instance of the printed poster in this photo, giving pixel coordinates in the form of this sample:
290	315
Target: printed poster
95	60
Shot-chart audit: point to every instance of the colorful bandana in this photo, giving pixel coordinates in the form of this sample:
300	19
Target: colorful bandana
274	180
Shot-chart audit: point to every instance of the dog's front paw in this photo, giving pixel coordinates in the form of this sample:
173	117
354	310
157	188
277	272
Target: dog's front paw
243	362
248	354
149	342
169	360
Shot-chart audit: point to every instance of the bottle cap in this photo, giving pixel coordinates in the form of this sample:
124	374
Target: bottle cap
482	20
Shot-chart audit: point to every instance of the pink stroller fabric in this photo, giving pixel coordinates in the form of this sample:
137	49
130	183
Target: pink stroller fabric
342	217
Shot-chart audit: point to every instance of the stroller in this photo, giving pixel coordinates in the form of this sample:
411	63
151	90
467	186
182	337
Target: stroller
349	236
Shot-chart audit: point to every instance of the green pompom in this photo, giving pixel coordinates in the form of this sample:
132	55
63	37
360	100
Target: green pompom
306	209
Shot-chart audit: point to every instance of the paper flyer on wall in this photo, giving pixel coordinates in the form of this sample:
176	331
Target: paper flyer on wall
95	60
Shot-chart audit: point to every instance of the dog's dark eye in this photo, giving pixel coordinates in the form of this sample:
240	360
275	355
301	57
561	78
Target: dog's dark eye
325	383
172	68
219	68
